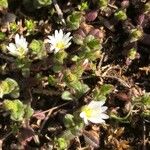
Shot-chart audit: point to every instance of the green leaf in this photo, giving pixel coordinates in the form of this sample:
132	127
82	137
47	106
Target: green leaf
37	49
2	36
13	87
68	121
80	88
66	95
102	92
135	34
41	3
45	2
83	6
62	143
30	25
3	4
120	15
28	112
4	89
16	109
78	39
60	56
106	89
70	78
9	86
132	53
102	3
52	80
92	43
146	99
147	7
73	20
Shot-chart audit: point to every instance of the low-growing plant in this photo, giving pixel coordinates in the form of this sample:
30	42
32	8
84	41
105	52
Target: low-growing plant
18	110
9	86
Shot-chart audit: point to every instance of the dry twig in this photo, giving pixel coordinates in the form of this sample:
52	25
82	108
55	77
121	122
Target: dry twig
59	11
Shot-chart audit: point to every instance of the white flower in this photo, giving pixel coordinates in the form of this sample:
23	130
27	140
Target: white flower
59	41
19	48
94	112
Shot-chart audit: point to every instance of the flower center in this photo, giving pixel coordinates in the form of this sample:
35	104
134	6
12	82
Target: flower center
60	45
88	111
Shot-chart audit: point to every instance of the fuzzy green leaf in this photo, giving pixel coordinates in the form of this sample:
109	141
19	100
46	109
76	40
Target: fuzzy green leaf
9	86
37	49
80	88
68	121
28	112
146	99
66	95
106	89
73	20
120	15
16	109
3	4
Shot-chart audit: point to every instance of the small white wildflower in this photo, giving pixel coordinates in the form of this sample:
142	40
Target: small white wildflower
59	41
94	112
19	48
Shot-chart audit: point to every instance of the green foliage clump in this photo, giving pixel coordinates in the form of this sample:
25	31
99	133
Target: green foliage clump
120	15
37	49
72	81
83	6
3	4
74	20
9	86
135	34
145	99
18	110
147	7
30	25
132	53
103	3
101	92
14	27
74	126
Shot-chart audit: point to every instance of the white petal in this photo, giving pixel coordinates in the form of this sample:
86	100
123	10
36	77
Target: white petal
82	115
104	116
66	36
51	38
16	38
104	108
56	33
61	33
96	120
96	104
67	45
85	120
12	49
